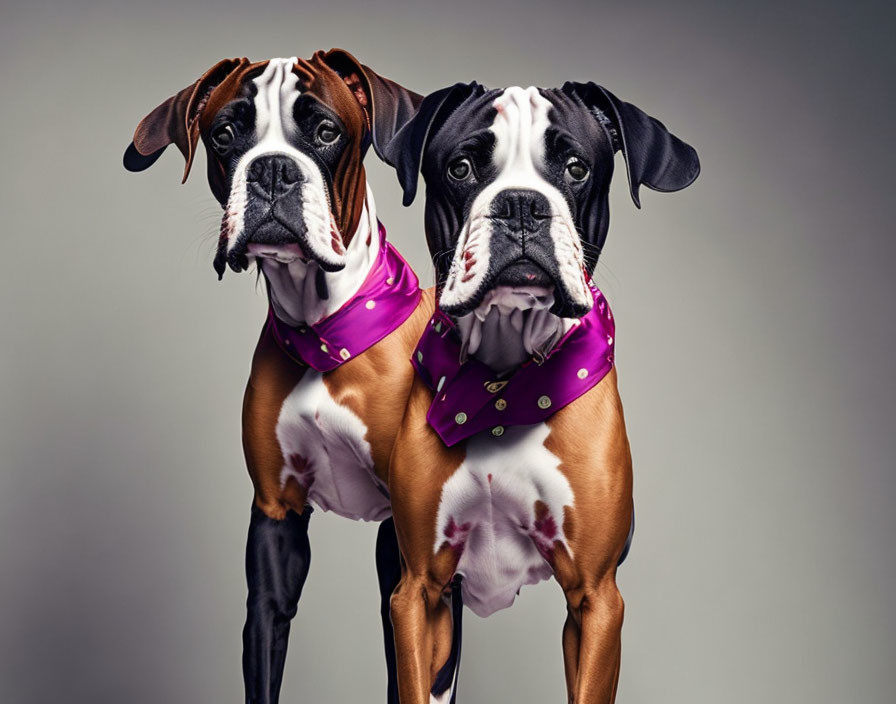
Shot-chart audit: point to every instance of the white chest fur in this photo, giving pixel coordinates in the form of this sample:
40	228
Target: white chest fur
488	512
325	450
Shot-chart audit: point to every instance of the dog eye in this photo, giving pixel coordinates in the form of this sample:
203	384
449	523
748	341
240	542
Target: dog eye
222	138
327	132
577	169
460	169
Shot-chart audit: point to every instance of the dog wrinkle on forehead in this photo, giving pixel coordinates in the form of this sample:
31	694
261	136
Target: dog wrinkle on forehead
276	91
521	121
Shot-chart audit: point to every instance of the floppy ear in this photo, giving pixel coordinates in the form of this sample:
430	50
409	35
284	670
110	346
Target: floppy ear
653	155
405	151
176	121
388	105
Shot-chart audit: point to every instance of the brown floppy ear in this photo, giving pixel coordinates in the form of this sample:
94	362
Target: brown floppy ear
389	106
176	121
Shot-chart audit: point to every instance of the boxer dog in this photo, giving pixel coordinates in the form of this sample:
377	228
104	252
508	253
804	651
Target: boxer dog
285	139
512	462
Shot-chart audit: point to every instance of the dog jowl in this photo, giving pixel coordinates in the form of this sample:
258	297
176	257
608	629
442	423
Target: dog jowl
285	141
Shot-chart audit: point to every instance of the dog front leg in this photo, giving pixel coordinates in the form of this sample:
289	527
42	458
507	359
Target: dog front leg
423	629
388	570
278	555
591	641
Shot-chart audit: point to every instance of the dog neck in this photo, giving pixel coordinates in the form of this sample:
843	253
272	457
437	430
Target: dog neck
302	293
510	326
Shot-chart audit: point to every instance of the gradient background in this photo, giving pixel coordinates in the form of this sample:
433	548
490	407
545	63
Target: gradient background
756	355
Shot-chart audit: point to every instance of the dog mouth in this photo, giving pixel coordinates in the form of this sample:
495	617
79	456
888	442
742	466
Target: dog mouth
273	241
524	284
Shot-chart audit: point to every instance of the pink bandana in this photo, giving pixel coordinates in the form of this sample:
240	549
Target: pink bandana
389	294
470	398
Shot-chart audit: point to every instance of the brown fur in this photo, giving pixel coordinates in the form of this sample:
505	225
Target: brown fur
589	437
374	385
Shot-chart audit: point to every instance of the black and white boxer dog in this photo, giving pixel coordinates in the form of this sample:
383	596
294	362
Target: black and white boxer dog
512	462
285	139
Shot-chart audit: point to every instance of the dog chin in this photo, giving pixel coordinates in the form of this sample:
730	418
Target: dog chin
552	298
247	250
510	298
281	253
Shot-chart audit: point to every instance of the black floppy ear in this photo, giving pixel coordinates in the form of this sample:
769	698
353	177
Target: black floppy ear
405	151
176	121
389	105
653	156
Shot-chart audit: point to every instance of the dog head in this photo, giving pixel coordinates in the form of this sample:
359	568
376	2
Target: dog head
517	184
285	140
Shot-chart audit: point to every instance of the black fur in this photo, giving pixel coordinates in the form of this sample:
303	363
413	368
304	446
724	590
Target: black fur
587	123
388	572
278	556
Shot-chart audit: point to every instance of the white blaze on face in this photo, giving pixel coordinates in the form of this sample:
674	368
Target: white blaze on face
519	128
277	91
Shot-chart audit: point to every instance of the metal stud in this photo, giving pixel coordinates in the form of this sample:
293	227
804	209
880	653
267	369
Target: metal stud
344	353
420	356
544	402
500	404
323	347
370	305
440	384
498	431
390	280
582	373
460	418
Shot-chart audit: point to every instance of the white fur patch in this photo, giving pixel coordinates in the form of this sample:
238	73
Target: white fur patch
325	451
277	91
487	511
519	128
293	281
511	325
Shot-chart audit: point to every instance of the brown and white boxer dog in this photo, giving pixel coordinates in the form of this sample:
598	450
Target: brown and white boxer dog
285	140
512	462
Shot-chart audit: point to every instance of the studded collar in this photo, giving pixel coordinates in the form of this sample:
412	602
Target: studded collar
388	296
470	399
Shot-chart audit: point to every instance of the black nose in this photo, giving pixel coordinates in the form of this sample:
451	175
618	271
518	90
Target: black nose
273	175
521	209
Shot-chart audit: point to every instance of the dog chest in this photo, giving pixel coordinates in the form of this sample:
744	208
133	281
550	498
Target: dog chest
325	450
502	511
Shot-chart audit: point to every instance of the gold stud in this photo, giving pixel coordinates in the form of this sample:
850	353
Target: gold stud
344	353
544	402
494	387
323	347
498	431
460	418
390	280
370	305
582	373
419	356
500	404
439	326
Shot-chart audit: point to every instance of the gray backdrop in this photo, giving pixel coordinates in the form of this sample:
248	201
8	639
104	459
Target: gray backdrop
755	351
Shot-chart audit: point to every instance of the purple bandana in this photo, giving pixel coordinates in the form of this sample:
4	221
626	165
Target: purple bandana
470	398
389	294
